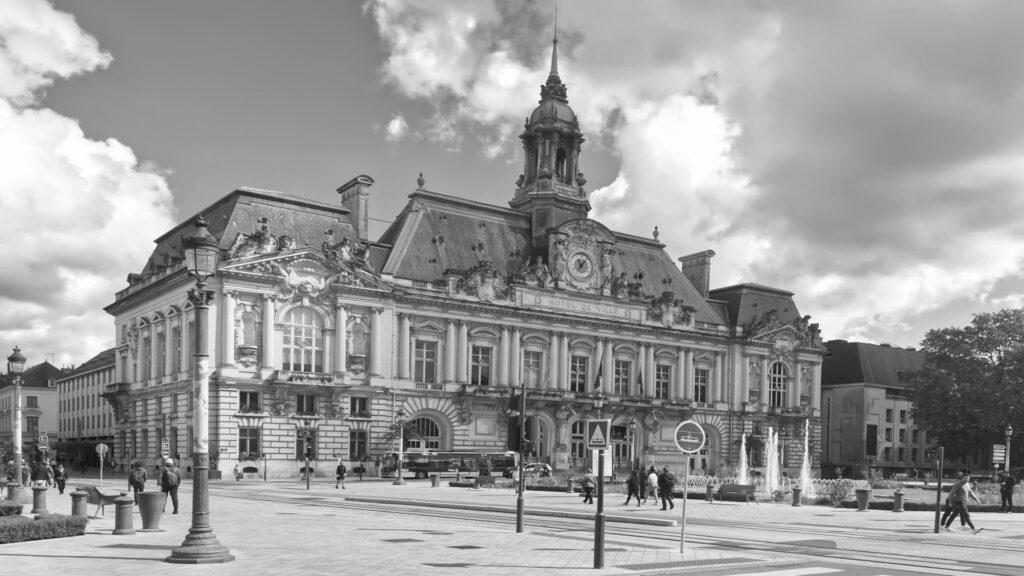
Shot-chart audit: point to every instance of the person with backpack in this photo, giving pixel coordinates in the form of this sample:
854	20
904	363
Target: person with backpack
170	479
961	493
339	473
589	484
137	480
60	477
666	483
633	488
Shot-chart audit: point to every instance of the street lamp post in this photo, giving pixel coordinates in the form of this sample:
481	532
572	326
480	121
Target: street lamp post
400	422
200	545
15	366
632	444
1009	432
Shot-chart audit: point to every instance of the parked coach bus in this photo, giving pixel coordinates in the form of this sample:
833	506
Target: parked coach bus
423	464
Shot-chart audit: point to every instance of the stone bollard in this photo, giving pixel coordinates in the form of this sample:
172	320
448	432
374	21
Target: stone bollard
796	496
151	506
568	485
897	500
863	498
39	500
15	492
435	480
123	518
80	503
708	495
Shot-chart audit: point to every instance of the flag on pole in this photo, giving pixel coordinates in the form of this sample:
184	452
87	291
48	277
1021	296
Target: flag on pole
639	379
599	376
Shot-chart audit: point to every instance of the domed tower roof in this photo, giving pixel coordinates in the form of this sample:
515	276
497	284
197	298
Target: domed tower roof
553	102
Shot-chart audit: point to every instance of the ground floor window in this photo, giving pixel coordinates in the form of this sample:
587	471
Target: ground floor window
248	443
427	435
578	444
357	445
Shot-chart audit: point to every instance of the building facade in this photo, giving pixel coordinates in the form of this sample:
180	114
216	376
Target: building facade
86	419
324	337
38	408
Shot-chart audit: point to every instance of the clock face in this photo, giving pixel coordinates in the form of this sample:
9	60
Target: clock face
581	266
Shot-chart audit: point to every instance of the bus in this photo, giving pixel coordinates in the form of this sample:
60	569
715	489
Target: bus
423	464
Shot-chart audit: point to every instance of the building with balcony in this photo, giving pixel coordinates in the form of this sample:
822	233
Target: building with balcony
38	407
323	336
86	419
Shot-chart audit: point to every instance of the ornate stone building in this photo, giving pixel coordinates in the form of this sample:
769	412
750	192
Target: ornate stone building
324	334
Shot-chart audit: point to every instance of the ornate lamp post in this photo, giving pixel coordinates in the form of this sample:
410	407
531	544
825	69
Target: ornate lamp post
201	545
632	443
15	366
400	422
1009	432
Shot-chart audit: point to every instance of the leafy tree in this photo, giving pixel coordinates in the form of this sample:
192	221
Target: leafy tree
972	383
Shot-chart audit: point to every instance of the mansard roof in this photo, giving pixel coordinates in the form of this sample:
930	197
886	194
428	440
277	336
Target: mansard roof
38	376
749	303
864	363
102	360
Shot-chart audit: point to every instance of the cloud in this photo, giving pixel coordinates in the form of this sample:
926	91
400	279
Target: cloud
396	128
82	213
866	156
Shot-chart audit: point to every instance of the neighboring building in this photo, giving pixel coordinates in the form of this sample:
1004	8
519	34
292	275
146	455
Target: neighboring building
866	413
86	419
320	335
38	407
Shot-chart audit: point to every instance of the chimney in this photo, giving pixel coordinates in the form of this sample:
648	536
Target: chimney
355	196
697	269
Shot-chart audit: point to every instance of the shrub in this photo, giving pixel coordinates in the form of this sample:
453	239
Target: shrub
10	508
839	490
43	527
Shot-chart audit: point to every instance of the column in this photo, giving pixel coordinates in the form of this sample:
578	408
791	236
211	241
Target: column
816	387
688	373
717	395
449	353
515	361
794	393
678	390
377	351
563	369
152	351
764	380
462	362
340	339
551	381
637	386
742	377
609	366
504	349
168	345
269	342
403	346
228	327
649	373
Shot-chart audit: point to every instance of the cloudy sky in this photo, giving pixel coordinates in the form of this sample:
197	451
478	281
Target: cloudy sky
867	155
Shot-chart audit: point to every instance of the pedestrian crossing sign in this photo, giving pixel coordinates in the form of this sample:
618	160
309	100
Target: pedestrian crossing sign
599	434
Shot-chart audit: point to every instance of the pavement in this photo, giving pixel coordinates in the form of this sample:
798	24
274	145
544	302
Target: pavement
268	534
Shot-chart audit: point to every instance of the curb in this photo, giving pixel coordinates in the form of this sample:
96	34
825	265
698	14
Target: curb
531	511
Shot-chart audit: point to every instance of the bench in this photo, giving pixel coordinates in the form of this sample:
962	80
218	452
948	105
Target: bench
735	491
100	498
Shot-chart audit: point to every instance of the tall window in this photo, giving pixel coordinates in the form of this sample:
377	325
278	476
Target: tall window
161	353
903	416
428	432
303	349
249	401
248	443
425	361
888	434
777	385
903	434
305	404
176	339
578	374
620	385
578	442
32	401
888	415
359	407
147	358
531	368
662	380
700	385
913	436
480	366
32	426
357	445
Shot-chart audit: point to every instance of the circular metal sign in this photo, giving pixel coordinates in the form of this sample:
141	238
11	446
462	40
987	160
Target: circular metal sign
101	449
689	436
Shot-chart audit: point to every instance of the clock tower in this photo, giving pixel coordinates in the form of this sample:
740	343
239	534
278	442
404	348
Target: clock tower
550	188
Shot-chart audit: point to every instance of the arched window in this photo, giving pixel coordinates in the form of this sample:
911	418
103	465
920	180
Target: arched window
303	349
778	383
429	434
560	164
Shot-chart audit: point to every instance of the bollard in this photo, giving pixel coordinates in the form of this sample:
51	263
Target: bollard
897	500
123	518
708	495
796	496
435	480
151	506
568	485
863	497
39	500
15	492
80	503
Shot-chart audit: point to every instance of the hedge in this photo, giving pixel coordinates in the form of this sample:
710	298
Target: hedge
8	508
43	527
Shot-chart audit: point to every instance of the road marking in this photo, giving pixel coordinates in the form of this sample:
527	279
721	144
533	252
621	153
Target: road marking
794	572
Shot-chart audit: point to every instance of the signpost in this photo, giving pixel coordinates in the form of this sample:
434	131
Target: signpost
599	438
690	438
165	448
101	449
998	453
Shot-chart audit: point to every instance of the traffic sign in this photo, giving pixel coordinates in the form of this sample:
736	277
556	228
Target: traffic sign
43	437
165	448
44	447
689	436
101	449
599	434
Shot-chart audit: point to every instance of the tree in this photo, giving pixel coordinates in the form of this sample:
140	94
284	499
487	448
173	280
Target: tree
972	383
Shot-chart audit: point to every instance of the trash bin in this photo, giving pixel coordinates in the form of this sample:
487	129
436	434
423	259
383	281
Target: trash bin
897	500
435	480
568	485
863	497
79	503
708	495
151	507
796	496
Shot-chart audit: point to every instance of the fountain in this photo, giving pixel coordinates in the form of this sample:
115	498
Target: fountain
771	455
743	470
805	468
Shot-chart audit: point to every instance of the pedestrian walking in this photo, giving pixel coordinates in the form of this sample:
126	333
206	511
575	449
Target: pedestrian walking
60	477
170	479
589	483
1006	484
961	492
652	485
633	488
137	480
339	475
666	483
238	472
